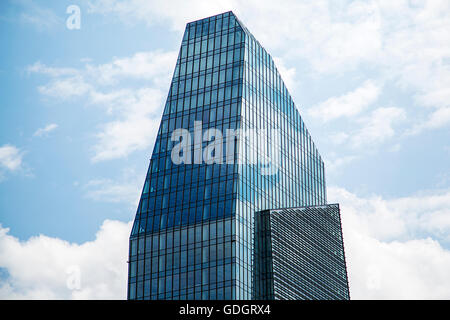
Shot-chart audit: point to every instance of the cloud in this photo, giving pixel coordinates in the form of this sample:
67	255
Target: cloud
398	218
403	42
328	34
437	119
339	137
108	190
334	163
50	268
66	88
331	36
175	13
41	68
404	46
41	18
44	131
134	107
347	105
135	129
415	269
10	157
395	248
154	65
378	126
373	129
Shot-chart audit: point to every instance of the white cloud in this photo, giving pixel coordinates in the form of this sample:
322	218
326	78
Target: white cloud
136	127
66	88
389	250
108	190
378	126
373	129
334	163
134	110
347	105
436	119
339	137
387	256
44	131
45	268
330	35
154	65
398	218
415	269
405	42
10	157
39	67
41	18
176	13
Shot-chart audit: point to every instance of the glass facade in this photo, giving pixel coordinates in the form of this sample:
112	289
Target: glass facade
192	237
299	254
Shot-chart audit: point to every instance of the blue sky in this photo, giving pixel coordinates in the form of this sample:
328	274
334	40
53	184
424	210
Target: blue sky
80	109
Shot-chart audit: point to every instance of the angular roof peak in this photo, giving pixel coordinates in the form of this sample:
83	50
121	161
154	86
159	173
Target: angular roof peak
234	21
213	17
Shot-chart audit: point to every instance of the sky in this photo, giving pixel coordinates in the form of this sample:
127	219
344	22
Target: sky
79	110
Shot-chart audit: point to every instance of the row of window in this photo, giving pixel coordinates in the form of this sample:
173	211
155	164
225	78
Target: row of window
182	179
172	219
197	257
212	78
202	100
183	236
183	288
160	178
221	112
211	44
224	59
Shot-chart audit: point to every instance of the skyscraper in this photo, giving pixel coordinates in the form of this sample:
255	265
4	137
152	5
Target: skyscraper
231	143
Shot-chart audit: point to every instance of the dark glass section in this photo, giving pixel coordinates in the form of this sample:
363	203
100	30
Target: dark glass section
299	254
